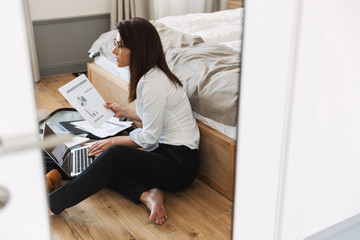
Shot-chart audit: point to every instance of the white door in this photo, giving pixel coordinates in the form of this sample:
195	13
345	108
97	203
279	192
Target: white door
298	145
23	199
322	180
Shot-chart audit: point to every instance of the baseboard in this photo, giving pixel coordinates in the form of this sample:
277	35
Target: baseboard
66	67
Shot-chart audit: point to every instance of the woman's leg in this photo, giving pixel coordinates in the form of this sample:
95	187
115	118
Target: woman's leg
120	167
104	170
127	170
169	168
158	169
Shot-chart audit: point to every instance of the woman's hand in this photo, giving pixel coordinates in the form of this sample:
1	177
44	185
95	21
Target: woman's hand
116	108
122	111
100	146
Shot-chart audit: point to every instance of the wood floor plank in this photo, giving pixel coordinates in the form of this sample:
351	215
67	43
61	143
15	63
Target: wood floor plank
208	198
226	219
176	236
89	203
62	228
192	220
100	224
48	98
134	216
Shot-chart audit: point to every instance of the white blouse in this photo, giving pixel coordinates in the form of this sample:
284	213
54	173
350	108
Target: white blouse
165	112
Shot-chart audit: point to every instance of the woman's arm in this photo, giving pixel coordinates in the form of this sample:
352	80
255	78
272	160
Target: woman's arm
122	111
151	102
102	145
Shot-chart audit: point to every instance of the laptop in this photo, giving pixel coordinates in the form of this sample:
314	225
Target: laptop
71	161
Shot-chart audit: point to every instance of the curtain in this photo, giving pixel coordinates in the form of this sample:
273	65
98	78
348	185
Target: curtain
124	10
155	9
33	54
164	8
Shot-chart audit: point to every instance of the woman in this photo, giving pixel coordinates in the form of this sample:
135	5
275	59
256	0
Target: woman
169	137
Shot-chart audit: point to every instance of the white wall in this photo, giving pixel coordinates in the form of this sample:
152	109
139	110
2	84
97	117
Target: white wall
323	171
299	133
52	9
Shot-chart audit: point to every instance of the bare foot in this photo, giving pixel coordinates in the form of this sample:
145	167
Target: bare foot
154	201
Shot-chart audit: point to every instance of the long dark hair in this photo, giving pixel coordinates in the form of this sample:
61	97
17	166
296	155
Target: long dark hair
143	40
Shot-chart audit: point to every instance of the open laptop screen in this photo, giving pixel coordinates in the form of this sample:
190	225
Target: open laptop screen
60	153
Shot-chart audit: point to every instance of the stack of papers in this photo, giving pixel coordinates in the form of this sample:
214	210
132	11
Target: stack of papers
75	141
83	96
108	128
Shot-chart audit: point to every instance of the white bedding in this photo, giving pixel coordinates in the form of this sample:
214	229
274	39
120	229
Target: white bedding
235	45
223	28
216	27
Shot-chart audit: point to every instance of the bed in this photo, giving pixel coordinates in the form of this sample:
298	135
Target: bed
203	50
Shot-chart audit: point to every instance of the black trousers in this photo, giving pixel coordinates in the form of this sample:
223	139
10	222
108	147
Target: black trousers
131	172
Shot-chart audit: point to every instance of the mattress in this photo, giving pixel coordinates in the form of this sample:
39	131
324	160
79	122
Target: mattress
122	72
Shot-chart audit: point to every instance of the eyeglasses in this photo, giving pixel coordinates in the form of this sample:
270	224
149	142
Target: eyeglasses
118	44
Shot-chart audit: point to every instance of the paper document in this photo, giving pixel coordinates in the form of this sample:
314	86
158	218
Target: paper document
76	140
83	96
109	128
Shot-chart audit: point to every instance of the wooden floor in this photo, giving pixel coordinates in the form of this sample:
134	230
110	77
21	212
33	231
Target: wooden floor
199	212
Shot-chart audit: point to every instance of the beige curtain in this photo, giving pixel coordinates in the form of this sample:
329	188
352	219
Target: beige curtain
126	9
154	9
163	8
34	59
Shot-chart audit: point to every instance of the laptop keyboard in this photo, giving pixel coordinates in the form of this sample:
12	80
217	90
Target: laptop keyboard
82	161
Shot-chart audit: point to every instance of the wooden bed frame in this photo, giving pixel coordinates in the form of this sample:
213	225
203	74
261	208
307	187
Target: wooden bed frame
217	151
231	4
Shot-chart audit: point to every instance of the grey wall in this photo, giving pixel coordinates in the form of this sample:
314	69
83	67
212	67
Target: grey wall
62	44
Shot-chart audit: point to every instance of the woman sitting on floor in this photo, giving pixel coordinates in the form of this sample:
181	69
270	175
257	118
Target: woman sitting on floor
169	136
